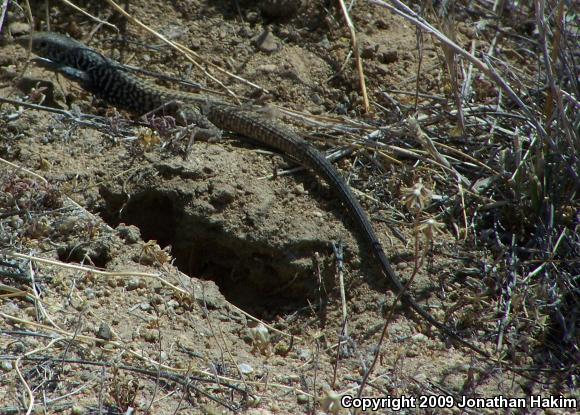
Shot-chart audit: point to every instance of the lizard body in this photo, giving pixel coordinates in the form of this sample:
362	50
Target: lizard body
106	79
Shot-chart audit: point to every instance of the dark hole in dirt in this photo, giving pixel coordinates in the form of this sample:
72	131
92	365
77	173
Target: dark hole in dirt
152	213
250	273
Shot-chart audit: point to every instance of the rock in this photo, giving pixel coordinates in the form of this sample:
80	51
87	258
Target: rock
245	368
252	17
419	338
369	51
389	56
19	28
133	284
129	233
302	399
6	366
100	251
267	42
222	194
104	332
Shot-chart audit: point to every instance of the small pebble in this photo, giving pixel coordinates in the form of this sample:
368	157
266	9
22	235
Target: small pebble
133	284
304	354
317	99
388	56
419	338
104	332
19	28
252	17
245	368
267	42
302	399
6	365
325	43
223	194
369	51
267	68
298	189
130	233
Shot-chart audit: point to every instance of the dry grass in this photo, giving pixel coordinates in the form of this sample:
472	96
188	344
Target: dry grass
502	157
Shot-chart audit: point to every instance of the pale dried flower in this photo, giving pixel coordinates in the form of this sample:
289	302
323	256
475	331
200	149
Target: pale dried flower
430	228
417	196
260	338
330	402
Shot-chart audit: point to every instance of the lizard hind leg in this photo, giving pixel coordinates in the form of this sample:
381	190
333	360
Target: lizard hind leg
184	115
188	115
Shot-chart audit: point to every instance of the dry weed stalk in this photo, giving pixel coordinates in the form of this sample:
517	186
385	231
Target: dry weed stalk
524	168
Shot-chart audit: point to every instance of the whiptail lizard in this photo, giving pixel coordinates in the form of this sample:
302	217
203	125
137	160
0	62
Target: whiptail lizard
107	80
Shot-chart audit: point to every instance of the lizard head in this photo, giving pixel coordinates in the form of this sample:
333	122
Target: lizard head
60	49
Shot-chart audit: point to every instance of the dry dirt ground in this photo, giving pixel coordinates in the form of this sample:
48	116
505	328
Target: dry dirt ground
196	239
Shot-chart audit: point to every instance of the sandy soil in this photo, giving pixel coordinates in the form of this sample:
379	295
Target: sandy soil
189	239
